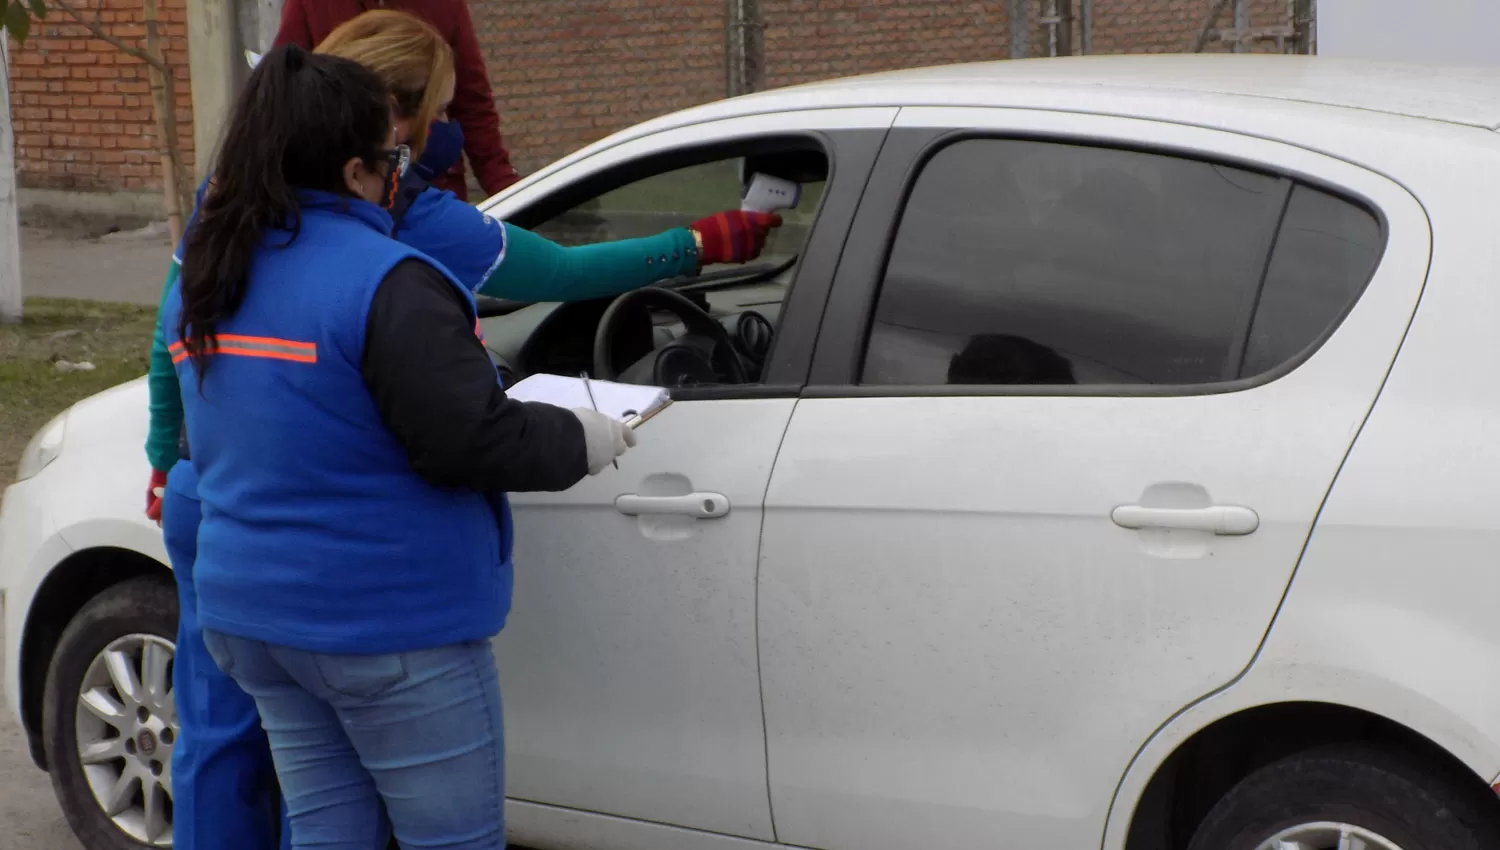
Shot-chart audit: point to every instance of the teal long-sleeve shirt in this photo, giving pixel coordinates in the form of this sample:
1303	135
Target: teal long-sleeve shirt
524	267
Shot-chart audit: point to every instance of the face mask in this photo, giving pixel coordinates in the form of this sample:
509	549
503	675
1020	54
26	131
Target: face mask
445	144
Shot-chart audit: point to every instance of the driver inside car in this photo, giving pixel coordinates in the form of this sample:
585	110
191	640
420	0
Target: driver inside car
222	759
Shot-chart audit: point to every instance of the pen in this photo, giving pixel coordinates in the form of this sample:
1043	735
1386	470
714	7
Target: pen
590	390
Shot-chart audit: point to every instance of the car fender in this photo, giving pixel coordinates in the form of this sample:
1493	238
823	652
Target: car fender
1339	659
142	537
20	592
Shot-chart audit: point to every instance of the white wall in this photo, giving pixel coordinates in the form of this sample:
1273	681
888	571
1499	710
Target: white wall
1457	31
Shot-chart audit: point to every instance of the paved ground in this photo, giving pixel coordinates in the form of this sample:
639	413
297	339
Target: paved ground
29	816
64	262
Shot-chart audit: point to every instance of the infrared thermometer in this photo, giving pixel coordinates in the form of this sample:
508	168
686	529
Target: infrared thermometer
767	194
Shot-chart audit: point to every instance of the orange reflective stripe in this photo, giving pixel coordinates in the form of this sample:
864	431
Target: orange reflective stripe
309	347
268	348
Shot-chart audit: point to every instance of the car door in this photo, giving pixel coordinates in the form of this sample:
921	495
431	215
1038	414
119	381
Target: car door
1069	424
629	663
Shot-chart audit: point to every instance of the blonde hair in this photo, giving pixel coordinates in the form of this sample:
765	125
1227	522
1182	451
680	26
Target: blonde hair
408	53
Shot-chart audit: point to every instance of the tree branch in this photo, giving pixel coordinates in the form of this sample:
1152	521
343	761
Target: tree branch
97	29
1198	43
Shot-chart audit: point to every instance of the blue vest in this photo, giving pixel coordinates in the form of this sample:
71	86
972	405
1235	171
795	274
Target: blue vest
316	534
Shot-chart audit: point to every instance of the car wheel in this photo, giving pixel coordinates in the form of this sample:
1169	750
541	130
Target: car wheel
1351	797
109	718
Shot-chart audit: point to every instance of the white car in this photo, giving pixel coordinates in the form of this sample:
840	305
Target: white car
1101	457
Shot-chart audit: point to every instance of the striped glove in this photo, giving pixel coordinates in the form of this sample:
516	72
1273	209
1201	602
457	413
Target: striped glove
734	236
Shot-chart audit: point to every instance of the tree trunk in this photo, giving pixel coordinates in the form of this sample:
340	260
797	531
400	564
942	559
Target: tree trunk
176	196
10	230
746	55
1209	23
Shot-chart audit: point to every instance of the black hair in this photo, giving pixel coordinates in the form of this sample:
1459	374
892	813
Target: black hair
300	118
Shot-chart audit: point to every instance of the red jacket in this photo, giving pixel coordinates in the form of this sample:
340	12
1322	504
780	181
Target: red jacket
308	22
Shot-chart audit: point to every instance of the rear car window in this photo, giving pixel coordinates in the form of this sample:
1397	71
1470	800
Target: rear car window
1029	262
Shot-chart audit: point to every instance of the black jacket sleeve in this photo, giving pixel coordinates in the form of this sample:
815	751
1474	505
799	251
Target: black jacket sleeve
435	387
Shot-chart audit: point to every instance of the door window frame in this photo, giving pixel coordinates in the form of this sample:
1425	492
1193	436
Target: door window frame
921	133
850	138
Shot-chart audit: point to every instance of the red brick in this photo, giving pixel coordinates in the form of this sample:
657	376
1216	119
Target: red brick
564	78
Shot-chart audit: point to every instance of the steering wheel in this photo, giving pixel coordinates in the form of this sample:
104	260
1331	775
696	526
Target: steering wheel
689	359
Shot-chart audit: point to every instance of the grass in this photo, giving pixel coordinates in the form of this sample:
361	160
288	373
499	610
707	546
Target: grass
114	337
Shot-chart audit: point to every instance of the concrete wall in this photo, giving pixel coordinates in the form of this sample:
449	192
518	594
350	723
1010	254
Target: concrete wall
1457	31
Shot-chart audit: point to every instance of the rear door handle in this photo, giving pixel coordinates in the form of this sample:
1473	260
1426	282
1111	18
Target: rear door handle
1227	520
695	505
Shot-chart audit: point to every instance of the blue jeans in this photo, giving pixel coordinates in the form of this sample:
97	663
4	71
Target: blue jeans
223	783
415	734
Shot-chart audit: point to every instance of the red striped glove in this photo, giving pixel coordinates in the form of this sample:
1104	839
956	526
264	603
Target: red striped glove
734	236
154	493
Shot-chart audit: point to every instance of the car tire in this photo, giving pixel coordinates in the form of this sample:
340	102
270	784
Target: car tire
1398	800
140	611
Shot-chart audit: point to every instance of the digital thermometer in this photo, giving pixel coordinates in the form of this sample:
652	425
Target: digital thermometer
767	194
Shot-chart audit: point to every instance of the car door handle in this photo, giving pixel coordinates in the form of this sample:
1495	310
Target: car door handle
1228	520
695	505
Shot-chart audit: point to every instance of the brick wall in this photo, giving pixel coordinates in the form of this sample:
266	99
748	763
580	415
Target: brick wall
810	40
1167	26
567	72
82	109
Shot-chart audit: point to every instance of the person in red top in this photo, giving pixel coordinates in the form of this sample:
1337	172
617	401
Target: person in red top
308	22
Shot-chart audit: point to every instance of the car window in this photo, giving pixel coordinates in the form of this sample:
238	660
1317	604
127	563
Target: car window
677	198
747	299
1022	262
1325	253
1028	262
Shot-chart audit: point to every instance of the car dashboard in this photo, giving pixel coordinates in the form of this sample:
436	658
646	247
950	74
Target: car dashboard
558	338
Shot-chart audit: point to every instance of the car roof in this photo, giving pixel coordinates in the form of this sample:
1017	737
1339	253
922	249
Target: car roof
1271	92
1452	94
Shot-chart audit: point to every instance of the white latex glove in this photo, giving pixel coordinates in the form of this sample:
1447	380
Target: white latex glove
604	438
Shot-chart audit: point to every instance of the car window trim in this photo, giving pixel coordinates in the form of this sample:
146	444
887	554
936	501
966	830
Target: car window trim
839	359
852	154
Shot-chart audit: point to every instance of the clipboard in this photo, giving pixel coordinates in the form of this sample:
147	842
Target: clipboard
620	402
642	418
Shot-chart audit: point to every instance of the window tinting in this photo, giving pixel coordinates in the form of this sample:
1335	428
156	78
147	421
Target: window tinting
1033	262
1325	253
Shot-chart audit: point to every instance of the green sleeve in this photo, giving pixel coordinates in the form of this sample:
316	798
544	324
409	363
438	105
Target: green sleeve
537	269
166	396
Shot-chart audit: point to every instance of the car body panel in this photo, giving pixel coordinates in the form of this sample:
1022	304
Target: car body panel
956	640
30	547
1390	609
660	724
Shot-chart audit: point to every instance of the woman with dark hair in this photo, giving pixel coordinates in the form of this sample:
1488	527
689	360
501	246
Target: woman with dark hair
352	447
220	796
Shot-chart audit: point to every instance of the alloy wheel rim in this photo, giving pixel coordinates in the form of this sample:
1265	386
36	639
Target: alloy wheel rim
1328	835
126	729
